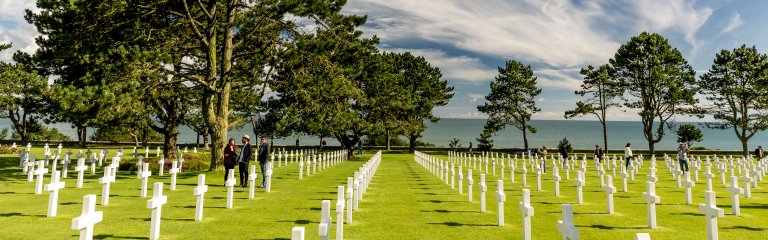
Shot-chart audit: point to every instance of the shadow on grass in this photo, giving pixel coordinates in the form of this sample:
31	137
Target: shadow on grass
604	227
16	214
300	221
141	219
689	214
747	228
755	205
448	211
456	224
109	236
439	201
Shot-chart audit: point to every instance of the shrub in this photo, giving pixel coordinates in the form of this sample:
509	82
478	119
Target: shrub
9	150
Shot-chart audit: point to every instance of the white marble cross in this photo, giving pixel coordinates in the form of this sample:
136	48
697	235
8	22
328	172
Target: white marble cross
145	173
301	169
483	190
252	178
652	199
688	185
324	228
721	170
297	233
173	171
268	177
461	181
527	210
348	199
735	190
357	190
642	236
624	176
579	186
199	192
566	226
609	191
524	172
88	218
105	182
453	175
470	182
53	188
161	164
538	178
40	173
601	172
230	184
501	198
556	179
709	177
80	169
747	188
712	212
340	213
156	204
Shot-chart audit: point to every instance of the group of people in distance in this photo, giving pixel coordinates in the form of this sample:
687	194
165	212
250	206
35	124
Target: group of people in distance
682	155
242	159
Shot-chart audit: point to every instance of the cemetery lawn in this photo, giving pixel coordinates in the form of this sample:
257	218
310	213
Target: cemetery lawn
404	201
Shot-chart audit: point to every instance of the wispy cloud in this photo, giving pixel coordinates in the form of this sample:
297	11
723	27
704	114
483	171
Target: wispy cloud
460	68
14	29
672	16
733	23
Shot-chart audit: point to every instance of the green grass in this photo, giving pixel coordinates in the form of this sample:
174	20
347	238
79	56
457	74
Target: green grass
404	201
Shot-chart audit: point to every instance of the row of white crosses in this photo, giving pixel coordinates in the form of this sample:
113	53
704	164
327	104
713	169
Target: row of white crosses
348	200
292	156
318	162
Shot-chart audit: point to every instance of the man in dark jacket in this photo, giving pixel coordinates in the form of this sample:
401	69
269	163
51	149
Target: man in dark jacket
263	154
243	159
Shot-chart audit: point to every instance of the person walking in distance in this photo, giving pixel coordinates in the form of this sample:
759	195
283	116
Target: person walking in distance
243	159
263	152
628	154
682	157
598	154
230	157
759	153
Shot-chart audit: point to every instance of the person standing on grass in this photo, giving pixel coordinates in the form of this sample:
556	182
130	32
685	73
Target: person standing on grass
263	152
564	154
598	154
628	154
543	157
759	153
230	157
682	157
243	159
359	147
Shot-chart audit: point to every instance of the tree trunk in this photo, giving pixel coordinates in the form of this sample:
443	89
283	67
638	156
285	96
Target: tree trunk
81	133
170	136
216	115
605	138
651	147
389	136
744	146
412	143
205	136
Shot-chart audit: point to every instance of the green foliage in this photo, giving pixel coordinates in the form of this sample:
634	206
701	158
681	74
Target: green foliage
485	141
136	133
454	144
381	140
602	89
658	80
192	162
512	100
565	143
21	94
36	131
699	148
735	89
4	134
689	133
424	144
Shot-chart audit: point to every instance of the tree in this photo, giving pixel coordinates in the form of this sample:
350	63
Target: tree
659	81
21	94
454	144
386	97
425	89
485	142
735	89
688	133
564	143
603	89
512	99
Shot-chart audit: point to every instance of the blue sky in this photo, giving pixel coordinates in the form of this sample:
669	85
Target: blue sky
469	39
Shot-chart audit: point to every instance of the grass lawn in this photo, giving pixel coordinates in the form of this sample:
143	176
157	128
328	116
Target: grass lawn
404	201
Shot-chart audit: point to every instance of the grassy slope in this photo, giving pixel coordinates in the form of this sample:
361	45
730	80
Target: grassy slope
404	201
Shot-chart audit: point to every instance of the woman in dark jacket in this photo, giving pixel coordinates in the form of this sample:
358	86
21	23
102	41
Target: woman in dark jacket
230	157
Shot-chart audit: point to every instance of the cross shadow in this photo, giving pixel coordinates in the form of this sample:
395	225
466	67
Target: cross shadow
16	214
142	219
300	221
689	214
456	224
604	227
747	228
448	211
105	236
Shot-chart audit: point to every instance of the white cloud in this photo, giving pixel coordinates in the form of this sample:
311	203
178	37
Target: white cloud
672	15
14	29
569	79
733	23
460	68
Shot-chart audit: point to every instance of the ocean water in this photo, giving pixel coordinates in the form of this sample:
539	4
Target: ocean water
582	135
